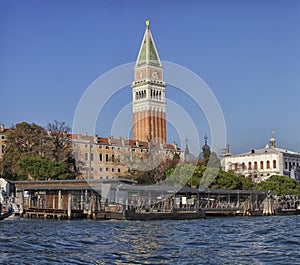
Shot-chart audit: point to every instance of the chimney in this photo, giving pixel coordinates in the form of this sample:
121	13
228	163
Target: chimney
96	139
2	127
137	143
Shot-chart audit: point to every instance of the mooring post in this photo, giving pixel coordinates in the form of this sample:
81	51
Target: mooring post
59	200
21	196
53	201
69	205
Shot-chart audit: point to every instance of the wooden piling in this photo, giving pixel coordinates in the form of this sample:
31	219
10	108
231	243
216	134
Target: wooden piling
69	205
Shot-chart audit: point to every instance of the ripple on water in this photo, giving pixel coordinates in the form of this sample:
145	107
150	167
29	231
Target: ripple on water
261	240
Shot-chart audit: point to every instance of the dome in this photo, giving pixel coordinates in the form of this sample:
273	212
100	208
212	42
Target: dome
205	147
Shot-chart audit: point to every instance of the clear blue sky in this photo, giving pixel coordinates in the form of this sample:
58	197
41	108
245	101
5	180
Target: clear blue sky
246	51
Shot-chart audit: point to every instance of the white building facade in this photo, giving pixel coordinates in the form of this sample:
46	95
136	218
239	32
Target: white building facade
261	164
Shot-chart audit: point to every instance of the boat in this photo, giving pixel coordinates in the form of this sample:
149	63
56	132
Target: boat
10	212
6	215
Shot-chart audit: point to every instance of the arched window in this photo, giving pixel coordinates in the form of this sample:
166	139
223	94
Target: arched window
236	166
243	166
136	95
274	163
255	165
160	95
268	164
261	164
249	165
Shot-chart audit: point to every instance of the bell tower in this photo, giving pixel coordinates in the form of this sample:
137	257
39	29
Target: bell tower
148	93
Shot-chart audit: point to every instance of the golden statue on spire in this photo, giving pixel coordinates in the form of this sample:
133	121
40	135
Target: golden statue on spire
147	23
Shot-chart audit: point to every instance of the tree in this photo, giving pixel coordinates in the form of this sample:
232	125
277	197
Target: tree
280	185
180	175
31	140
40	169
230	181
61	145
22	140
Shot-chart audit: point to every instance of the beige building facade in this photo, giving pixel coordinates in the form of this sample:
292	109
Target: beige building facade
107	158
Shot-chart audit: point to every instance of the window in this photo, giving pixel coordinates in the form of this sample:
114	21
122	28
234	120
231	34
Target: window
85	146
119	170
92	156
106	169
119	158
112	169
249	165
92	146
243	165
107	147
261	164
3	137
106	157
113	158
92	169
100	146
100	169
255	165
285	165
236	166
268	164
86	156
100	157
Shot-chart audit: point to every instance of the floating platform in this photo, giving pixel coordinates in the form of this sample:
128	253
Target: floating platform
147	216
42	213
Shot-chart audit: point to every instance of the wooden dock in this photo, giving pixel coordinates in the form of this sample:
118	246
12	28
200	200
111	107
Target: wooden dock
48	213
114	199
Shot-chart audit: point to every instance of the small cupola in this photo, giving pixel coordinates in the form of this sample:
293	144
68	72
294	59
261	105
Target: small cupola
272	141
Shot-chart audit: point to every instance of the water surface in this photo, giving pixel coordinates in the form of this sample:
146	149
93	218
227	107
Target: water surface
238	240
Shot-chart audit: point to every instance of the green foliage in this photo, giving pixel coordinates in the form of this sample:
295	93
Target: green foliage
280	185
26	140
180	175
40	169
22	140
230	181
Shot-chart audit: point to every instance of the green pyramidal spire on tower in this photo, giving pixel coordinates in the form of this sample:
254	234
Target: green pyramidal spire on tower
148	52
